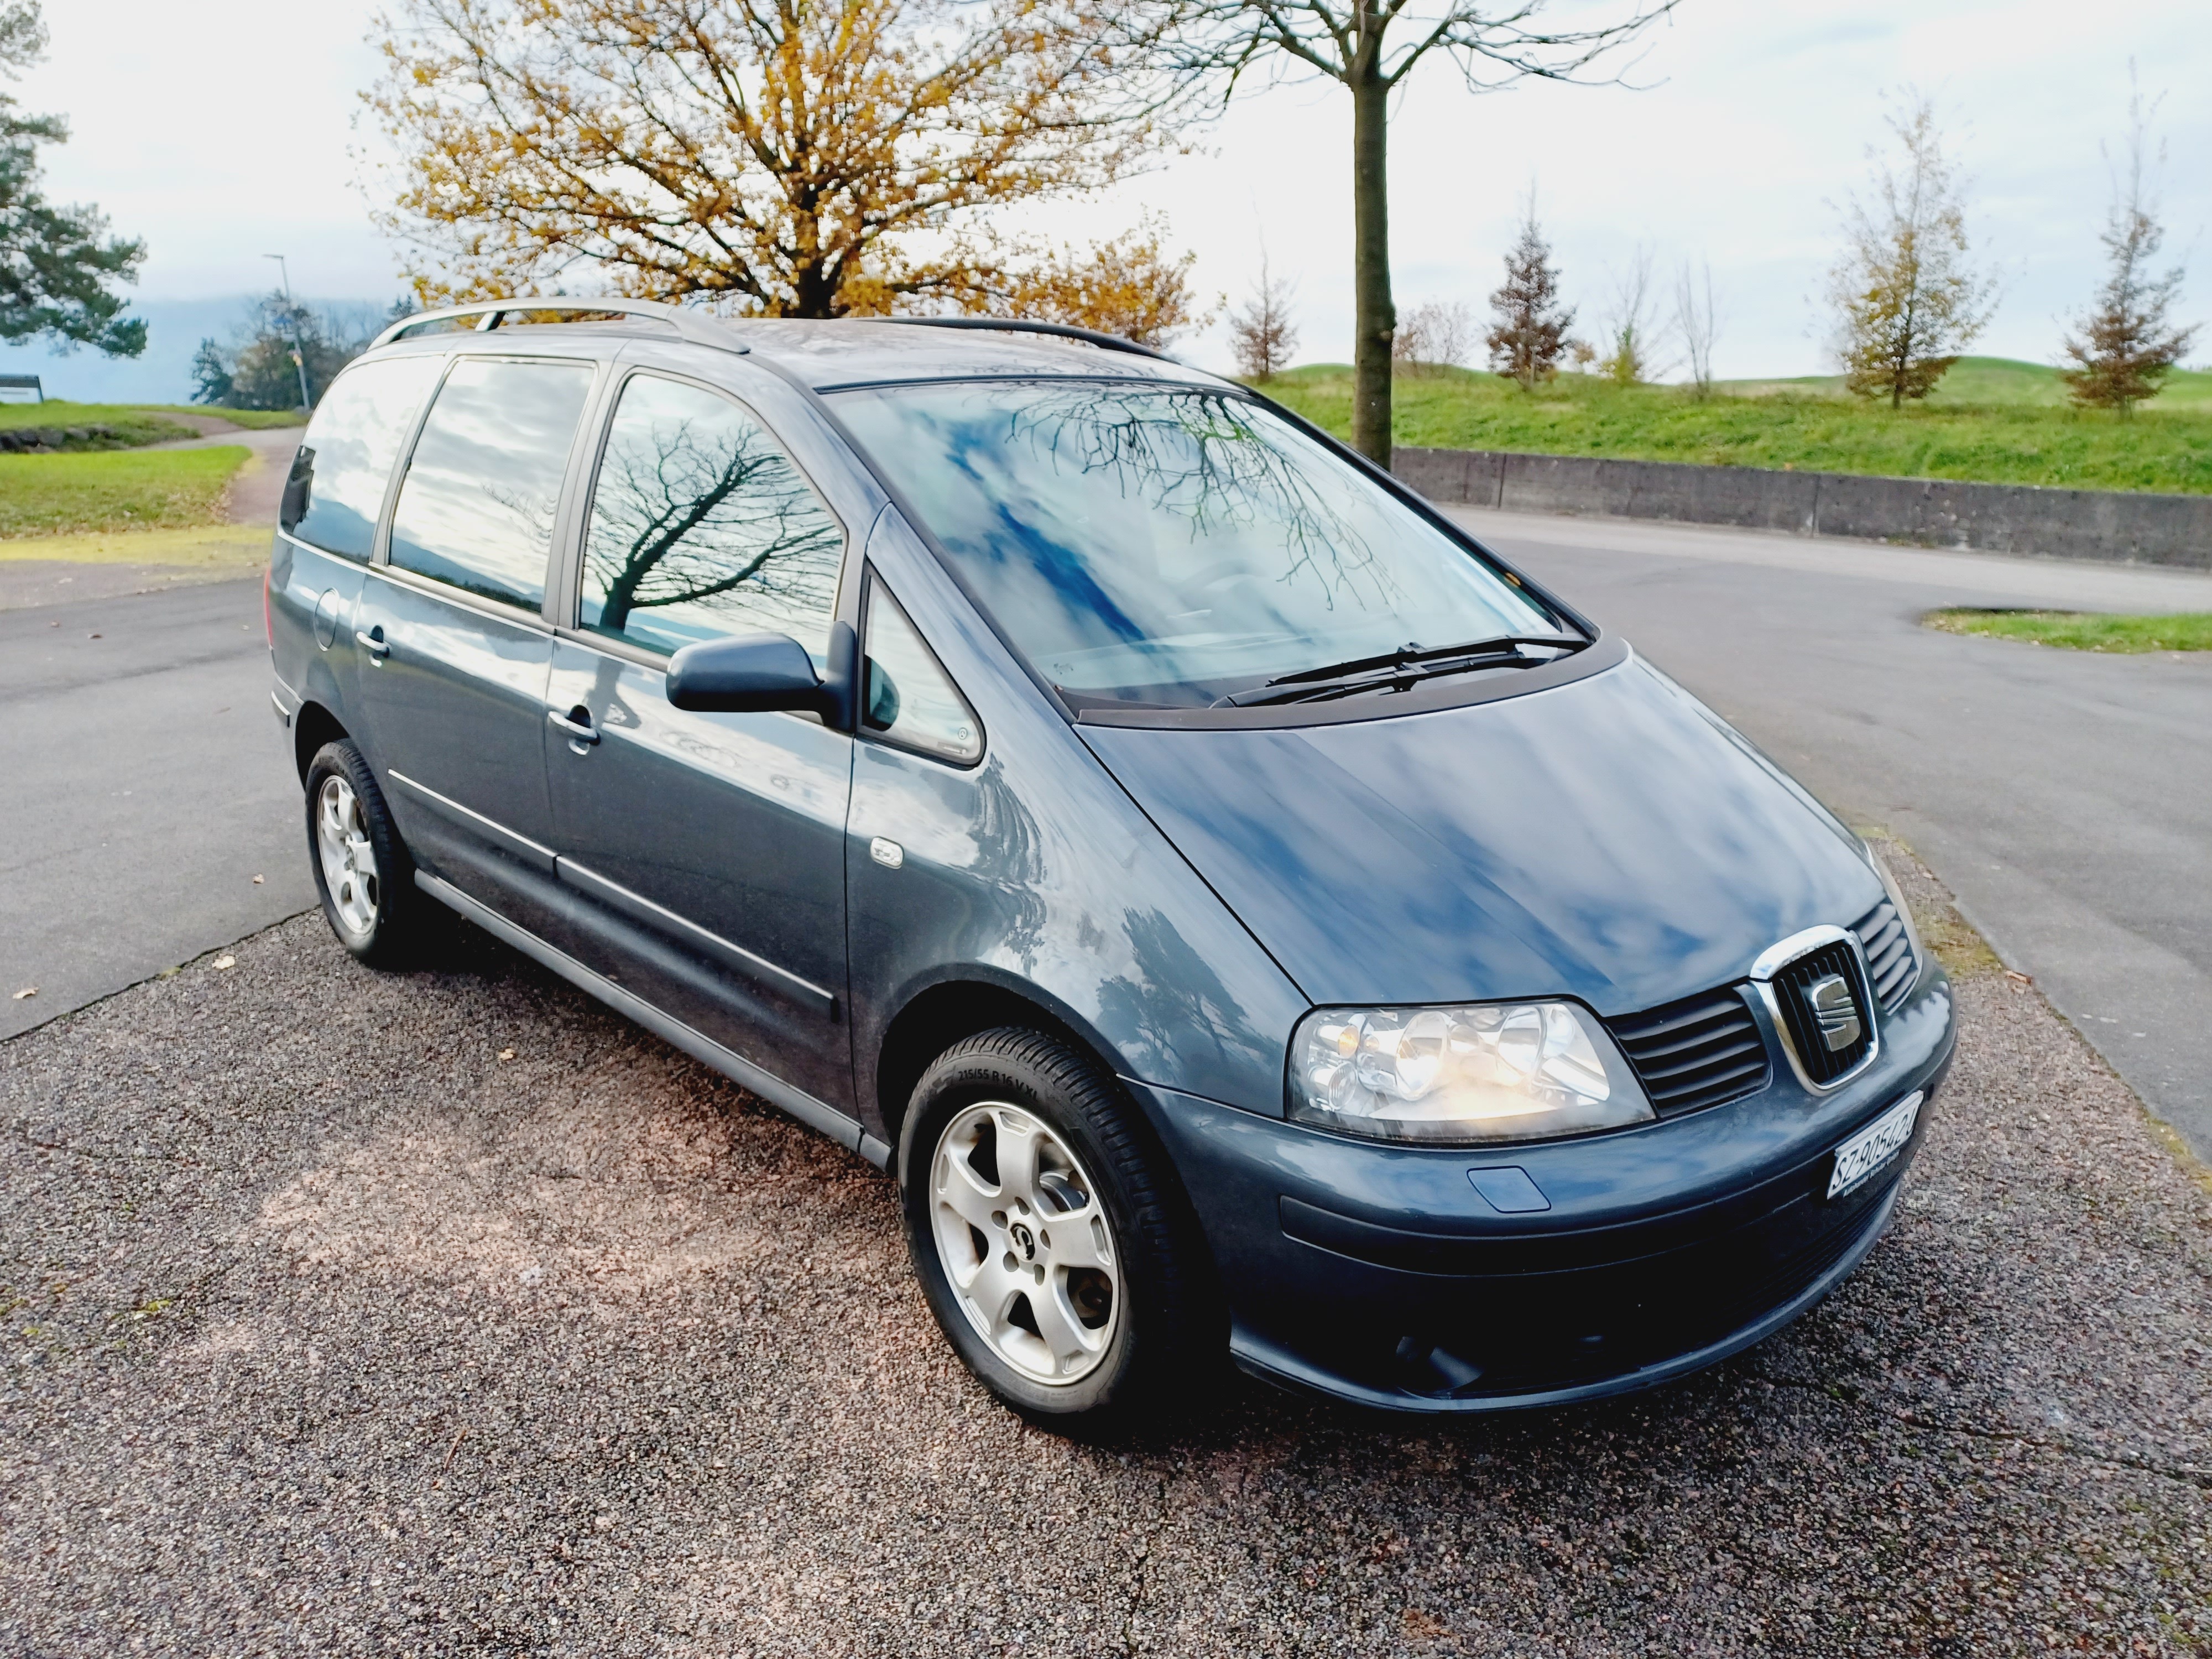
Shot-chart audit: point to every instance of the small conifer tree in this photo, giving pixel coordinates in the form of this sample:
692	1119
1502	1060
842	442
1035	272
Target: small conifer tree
2124	349
1529	335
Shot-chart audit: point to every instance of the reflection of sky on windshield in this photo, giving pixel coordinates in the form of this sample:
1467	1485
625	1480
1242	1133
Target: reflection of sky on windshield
477	509
1171	540
356	436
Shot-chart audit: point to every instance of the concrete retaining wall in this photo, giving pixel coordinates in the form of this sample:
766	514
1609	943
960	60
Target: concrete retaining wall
2066	524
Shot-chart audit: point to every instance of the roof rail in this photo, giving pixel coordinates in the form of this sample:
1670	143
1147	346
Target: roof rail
698	329
1015	325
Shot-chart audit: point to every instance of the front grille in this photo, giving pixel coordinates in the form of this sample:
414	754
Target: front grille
1792	995
1889	958
1696	1053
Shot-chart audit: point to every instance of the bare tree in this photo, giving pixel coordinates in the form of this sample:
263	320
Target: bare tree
1633	331
1370	47
1260	332
1697	322
1530	336
2128	344
1437	334
1906	298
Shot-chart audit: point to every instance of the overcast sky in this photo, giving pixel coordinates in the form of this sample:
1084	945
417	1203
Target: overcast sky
226	129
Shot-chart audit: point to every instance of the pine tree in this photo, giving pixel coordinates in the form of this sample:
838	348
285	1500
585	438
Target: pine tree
2128	343
1905	297
1261	333
58	265
1530	335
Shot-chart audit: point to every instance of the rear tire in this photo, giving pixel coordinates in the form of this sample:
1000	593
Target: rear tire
363	871
1047	1231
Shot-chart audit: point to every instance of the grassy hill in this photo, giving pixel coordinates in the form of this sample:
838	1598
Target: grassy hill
132	424
1994	421
1994	380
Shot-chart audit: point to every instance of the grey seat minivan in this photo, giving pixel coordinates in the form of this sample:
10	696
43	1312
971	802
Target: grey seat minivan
1247	917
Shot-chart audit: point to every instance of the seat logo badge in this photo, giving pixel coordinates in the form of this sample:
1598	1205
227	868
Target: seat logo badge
1832	1009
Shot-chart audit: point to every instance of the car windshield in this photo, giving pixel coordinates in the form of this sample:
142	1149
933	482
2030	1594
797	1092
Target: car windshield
1171	546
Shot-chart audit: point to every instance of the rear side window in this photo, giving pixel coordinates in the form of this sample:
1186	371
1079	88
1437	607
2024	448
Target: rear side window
701	526
484	483
336	490
909	698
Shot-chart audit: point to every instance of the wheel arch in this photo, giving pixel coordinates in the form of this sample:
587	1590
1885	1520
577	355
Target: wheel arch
951	1009
311	727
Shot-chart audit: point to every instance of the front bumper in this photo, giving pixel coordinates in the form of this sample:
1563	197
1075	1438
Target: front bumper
1378	1275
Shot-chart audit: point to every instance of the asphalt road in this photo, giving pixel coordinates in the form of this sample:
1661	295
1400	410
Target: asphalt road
146	788
2065	797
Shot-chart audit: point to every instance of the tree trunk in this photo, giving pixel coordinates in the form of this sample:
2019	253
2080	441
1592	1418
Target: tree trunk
1374	319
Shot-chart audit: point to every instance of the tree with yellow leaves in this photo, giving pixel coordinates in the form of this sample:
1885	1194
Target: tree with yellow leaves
780	158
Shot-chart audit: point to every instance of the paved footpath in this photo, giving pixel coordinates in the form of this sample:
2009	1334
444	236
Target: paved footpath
444	1314
2065	796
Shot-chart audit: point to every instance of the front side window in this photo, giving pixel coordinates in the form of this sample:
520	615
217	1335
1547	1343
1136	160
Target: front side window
335	489
701	526
1175	547
908	699
482	487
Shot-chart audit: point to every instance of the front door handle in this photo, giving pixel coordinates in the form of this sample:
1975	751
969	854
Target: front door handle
372	641
581	733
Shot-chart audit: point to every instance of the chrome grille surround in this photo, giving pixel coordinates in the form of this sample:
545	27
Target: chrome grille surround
1818	950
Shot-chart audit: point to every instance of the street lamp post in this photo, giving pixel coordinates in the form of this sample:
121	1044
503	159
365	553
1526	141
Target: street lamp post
298	355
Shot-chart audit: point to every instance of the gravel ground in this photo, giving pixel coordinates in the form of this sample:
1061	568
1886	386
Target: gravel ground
446	1314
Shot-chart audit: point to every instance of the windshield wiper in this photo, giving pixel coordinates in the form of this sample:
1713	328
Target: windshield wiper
1397	669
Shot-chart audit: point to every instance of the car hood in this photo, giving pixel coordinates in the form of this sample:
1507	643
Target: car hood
1610	840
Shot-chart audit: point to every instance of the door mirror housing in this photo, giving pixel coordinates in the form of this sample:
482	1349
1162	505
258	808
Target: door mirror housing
750	673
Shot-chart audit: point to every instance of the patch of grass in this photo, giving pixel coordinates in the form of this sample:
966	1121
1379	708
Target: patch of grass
130	427
1790	428
2082	630
64	494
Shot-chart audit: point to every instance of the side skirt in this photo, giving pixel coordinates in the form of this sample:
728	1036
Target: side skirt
814	1113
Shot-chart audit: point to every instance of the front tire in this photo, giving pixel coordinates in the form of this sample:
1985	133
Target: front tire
1044	1229
362	867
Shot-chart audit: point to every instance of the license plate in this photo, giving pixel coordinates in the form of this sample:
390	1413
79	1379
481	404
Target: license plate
1875	1145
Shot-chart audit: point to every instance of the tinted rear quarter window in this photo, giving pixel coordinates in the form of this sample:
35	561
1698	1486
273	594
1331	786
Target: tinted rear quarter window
336	491
482	486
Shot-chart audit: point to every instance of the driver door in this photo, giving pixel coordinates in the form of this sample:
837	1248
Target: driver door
706	850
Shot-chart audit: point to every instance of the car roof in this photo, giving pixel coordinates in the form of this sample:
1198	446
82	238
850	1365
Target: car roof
827	356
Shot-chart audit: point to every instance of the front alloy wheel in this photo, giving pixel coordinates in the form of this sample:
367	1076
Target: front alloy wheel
1026	1247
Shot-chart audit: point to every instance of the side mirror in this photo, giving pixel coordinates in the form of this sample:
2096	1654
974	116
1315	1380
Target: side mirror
752	673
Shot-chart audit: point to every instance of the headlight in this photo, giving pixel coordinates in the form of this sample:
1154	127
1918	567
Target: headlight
1903	914
1478	1072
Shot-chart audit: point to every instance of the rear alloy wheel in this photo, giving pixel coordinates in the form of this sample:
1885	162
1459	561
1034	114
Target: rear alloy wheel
362	868
1050	1233
348	861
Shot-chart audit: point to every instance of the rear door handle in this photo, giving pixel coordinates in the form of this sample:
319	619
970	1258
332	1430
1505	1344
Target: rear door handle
579	731
372	641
